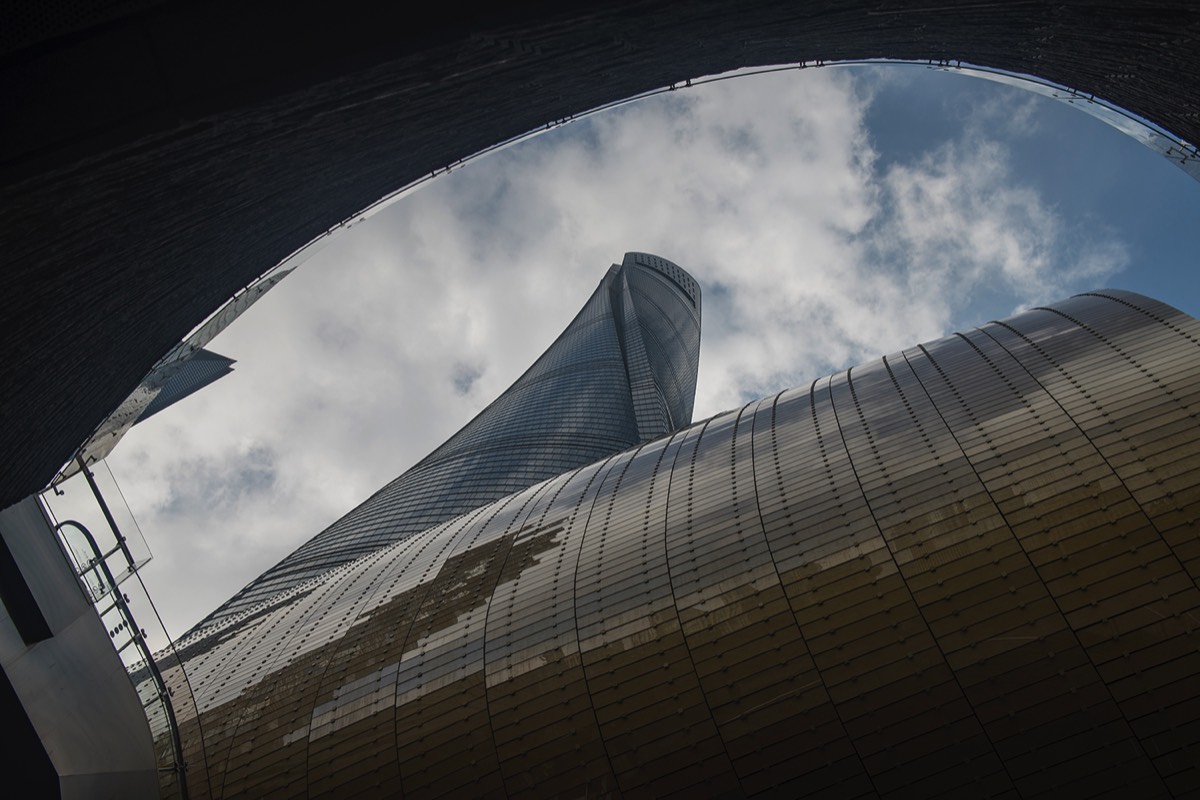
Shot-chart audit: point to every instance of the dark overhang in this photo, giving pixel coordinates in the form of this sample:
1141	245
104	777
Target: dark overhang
158	156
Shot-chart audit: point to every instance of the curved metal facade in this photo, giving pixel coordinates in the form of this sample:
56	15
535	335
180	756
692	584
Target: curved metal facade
966	568
623	372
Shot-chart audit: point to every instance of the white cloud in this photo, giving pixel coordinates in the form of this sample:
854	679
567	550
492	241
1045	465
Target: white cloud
769	190
957	225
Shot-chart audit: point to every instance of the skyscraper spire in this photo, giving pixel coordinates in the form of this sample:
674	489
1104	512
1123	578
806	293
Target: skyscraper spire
621	373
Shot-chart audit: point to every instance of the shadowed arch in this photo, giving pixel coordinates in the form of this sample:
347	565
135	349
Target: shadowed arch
158	156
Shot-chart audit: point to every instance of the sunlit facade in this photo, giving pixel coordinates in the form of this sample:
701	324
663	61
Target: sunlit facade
968	567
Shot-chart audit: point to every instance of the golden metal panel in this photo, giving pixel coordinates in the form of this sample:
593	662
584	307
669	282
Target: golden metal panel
967	568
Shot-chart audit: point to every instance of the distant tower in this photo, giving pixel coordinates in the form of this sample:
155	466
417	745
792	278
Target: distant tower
623	372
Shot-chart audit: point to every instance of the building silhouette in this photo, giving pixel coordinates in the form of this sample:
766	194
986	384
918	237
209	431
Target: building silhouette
969	567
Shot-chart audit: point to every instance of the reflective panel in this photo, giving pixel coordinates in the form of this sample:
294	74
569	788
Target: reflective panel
965	568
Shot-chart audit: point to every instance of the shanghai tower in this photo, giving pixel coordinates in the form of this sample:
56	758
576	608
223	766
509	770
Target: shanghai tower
623	372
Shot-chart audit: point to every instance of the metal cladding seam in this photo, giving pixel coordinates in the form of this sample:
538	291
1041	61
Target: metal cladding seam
967	567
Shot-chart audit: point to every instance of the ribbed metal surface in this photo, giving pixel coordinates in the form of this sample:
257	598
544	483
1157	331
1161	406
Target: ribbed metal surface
966	568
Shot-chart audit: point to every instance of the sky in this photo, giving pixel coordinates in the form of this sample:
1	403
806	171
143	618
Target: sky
830	215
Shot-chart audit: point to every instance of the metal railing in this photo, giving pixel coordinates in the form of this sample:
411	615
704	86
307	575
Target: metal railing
102	581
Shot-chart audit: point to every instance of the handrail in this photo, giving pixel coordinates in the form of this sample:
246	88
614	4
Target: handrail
138	637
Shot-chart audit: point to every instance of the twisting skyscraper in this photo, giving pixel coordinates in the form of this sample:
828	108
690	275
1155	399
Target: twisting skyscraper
623	372
966	568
